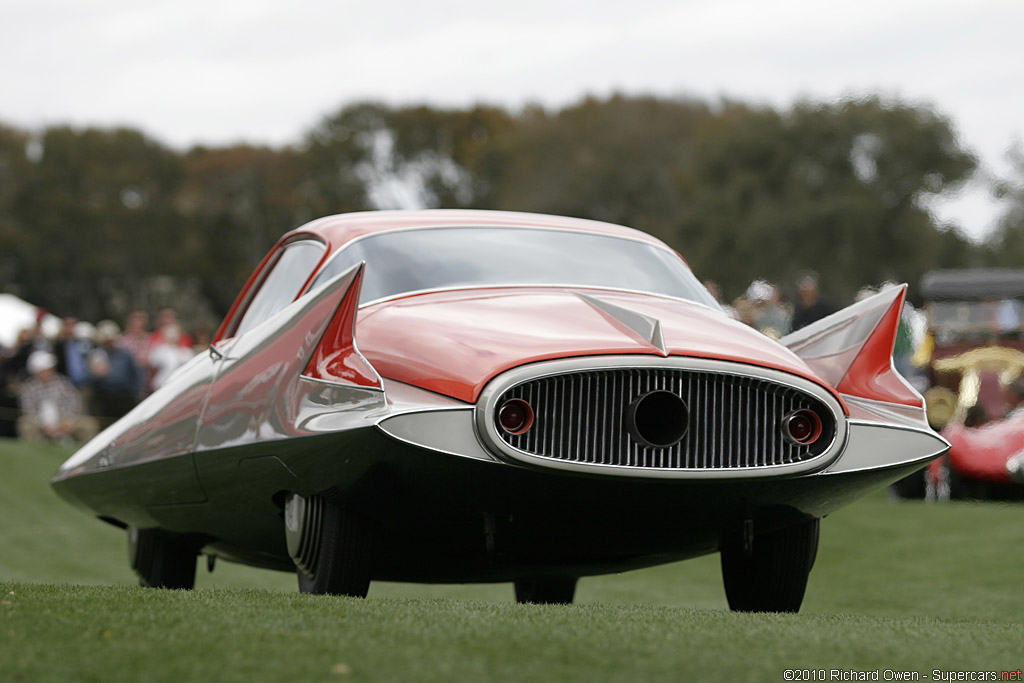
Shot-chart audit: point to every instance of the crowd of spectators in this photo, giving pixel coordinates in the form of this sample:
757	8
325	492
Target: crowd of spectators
762	306
68	387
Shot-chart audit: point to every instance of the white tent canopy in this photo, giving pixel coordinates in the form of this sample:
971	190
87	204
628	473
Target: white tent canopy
17	315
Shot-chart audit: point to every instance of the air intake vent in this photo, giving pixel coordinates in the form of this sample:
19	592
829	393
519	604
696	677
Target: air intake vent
673	419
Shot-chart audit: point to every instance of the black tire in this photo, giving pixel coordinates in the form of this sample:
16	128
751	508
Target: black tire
772	577
344	560
958	488
549	591
911	487
161	559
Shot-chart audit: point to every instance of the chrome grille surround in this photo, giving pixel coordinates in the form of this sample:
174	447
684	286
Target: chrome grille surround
735	417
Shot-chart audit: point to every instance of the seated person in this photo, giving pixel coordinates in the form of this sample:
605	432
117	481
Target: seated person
51	406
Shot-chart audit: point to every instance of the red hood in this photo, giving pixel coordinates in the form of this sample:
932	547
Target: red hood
454	342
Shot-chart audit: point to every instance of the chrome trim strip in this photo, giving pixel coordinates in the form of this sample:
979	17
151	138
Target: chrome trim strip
912	416
331	383
489	435
403	398
449	431
874	445
510	226
569	287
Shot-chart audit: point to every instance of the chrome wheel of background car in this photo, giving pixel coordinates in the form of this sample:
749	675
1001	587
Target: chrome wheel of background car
332	547
943	483
162	559
770	575
1015	467
549	591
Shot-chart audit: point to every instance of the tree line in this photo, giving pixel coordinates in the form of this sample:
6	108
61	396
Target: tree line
97	221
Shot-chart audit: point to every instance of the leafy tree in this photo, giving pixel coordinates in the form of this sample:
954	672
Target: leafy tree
438	152
373	156
1006	244
621	160
90	216
94	213
14	168
235	204
834	187
334	151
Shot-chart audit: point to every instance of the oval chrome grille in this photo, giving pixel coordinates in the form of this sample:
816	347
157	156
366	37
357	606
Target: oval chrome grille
734	421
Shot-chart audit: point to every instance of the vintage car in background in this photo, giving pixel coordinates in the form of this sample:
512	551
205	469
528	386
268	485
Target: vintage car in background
974	355
460	396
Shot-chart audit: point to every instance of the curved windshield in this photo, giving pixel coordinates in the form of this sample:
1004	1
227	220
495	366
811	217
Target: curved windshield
439	258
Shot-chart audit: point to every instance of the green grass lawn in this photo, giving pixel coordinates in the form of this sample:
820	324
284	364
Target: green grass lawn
907	586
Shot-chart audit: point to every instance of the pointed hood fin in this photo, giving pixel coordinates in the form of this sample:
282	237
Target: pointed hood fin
647	327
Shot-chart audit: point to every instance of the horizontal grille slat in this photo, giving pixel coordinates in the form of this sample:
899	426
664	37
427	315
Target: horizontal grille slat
734	422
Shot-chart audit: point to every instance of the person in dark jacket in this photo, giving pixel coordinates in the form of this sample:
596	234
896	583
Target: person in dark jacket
71	349
810	307
114	376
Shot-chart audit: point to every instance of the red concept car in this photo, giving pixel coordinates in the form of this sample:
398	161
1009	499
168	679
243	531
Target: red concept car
464	396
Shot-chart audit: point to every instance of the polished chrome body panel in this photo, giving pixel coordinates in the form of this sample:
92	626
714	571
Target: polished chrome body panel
880	445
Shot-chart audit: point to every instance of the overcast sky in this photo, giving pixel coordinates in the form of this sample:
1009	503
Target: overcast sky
191	71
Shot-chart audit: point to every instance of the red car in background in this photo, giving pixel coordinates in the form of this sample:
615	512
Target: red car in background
983	462
975	364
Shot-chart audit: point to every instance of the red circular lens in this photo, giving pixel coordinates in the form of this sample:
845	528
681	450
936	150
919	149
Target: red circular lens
803	427
515	416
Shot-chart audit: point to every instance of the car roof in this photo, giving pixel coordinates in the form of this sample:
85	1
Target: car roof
973	284
341	229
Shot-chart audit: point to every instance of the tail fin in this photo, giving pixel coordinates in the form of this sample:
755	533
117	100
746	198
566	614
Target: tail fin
852	349
336	358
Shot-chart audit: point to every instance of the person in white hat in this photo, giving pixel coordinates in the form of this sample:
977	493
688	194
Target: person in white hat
51	407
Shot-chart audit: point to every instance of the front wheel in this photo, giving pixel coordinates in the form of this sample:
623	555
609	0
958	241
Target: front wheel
332	547
771	575
549	591
161	559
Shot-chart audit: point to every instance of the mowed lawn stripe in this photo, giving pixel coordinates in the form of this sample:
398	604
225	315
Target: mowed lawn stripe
897	586
127	633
